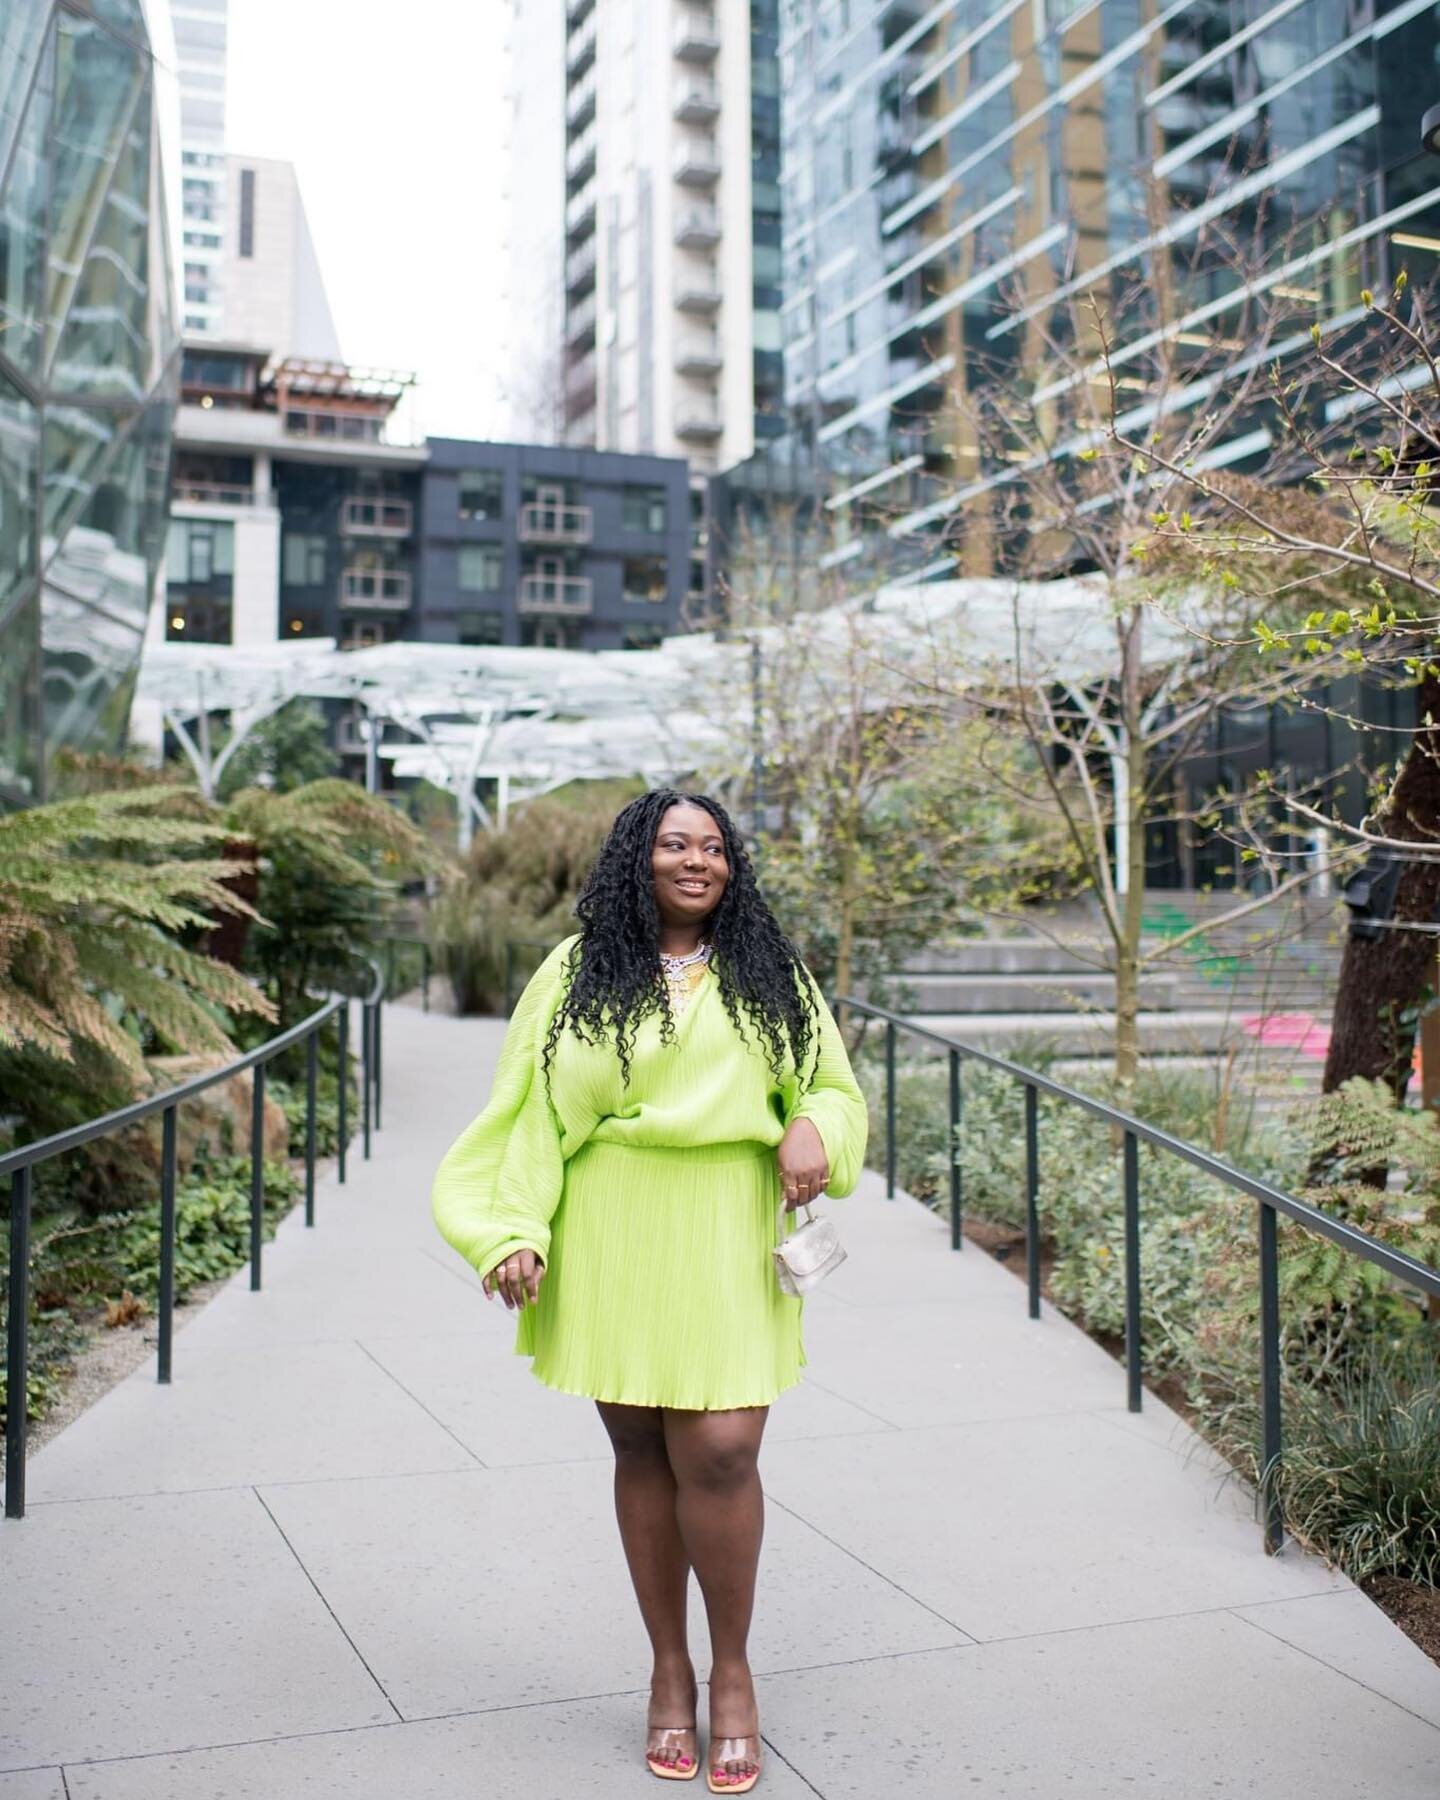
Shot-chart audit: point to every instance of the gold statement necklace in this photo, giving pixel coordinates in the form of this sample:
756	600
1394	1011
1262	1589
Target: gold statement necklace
683	975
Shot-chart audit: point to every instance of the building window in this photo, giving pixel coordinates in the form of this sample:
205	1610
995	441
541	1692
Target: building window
303	560
641	636
482	493
550	634
247	212
644	509
199	551
198	619
482	568
479	627
645	579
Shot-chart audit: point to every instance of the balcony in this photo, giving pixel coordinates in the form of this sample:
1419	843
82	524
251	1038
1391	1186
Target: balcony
580	159
555	522
580	214
567	594
698	229
580	269
580	49
580	325
375	590
580	103
580	385
220	493
698	290
697	38
360	517
699	354
697	102
697	421
697	162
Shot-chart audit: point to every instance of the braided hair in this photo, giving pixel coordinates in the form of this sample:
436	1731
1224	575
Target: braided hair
616	979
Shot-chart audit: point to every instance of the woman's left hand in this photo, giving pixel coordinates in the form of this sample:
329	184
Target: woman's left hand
804	1167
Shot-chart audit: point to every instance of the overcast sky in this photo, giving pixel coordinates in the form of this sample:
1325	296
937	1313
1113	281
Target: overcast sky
392	112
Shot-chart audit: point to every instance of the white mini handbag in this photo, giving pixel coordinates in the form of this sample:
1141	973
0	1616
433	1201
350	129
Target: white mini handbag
807	1256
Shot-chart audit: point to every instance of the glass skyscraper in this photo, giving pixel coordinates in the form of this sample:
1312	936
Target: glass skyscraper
88	370
956	174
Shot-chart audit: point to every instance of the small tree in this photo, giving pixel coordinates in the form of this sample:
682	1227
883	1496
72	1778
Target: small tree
1341	556
879	840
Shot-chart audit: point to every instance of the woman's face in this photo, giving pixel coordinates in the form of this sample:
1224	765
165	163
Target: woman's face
689	866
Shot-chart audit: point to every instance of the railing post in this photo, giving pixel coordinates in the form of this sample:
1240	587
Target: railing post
957	1101
257	1171
379	1056
389	964
365	1078
343	1029
312	1075
889	1109
1032	1191
166	1322
1132	1271
1270	1376
424	977
17	1345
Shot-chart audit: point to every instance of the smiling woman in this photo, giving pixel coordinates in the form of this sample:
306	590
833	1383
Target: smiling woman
671	1074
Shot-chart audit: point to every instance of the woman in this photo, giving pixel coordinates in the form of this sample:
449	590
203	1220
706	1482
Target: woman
669	1073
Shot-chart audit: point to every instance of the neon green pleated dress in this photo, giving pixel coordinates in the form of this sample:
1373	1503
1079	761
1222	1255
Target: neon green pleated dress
654	1206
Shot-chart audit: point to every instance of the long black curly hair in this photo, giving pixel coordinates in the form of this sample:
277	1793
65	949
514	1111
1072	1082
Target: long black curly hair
615	975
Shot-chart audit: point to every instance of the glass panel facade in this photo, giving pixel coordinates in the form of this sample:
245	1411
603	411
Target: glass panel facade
99	82
22	216
88	364
104	347
19	475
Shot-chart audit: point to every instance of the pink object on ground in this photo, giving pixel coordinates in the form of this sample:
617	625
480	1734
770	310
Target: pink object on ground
1301	1030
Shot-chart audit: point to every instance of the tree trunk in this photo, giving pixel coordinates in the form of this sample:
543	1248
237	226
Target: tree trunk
1384	979
1130	795
226	940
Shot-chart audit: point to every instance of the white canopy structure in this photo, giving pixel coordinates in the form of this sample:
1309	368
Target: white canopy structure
529	720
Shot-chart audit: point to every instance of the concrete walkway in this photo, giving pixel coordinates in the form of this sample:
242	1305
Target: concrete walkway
357	1552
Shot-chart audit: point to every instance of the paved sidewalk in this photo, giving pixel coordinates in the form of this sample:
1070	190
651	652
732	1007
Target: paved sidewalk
356	1552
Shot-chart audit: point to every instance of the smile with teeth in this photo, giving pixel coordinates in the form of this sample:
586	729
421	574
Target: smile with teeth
692	884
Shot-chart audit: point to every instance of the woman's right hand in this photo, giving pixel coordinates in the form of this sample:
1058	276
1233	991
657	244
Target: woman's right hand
516	1279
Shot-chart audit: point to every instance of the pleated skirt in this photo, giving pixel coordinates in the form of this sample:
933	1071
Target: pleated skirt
660	1289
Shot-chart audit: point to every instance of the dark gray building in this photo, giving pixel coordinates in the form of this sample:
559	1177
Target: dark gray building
572	549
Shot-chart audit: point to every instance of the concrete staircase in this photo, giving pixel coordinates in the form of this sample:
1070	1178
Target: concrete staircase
1260	987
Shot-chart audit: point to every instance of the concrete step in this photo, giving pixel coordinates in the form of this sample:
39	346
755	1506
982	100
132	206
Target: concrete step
1189	1031
1049	992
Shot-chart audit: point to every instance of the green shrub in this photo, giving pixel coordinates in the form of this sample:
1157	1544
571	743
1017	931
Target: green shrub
1358	1477
80	1264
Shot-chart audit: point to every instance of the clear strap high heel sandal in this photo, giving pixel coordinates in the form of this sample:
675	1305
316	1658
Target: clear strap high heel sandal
683	1741
732	1749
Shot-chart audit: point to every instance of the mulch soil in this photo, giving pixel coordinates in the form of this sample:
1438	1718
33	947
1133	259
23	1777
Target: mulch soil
1411	1605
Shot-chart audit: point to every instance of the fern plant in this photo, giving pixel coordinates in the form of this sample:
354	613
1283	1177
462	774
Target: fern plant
329	858
95	895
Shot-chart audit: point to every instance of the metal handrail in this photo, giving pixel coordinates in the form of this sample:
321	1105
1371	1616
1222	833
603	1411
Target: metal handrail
18	1163
1272	1200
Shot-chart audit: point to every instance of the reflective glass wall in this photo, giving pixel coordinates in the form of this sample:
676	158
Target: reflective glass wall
958	175
88	374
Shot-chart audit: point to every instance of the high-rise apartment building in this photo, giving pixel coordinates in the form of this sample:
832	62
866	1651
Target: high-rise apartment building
200	38
656	240
956	173
274	291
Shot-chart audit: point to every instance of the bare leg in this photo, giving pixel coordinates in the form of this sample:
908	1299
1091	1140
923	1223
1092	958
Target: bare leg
655	1552
721	1509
